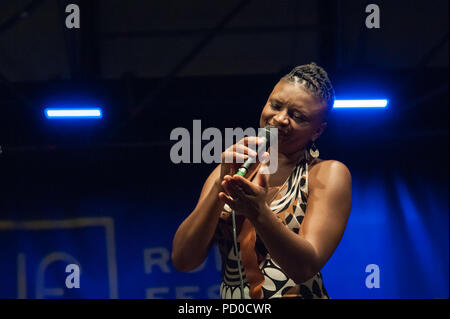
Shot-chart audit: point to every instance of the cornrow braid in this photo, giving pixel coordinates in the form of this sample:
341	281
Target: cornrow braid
315	80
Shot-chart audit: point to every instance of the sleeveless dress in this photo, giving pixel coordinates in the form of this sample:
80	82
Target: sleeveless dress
290	206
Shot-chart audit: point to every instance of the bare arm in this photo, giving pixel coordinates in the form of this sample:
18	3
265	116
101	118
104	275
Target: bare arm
194	236
329	204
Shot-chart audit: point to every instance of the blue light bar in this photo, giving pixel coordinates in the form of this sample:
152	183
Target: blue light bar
73	113
360	103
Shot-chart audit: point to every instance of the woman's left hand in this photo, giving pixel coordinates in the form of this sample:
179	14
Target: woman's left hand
244	197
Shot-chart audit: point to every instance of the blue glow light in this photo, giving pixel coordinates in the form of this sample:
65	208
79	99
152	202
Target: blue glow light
360	103
73	113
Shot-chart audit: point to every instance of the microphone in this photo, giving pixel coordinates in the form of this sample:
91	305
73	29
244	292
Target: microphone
265	135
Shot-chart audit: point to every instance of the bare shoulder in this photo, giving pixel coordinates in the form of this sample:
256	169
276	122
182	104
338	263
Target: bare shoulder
330	173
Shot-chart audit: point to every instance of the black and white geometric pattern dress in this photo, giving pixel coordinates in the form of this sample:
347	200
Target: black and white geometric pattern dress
290	206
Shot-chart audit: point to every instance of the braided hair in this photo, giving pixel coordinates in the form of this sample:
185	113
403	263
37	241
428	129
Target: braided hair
315	80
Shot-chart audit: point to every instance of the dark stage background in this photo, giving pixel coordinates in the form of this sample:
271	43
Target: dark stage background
104	193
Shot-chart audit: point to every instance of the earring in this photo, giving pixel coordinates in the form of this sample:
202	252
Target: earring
313	151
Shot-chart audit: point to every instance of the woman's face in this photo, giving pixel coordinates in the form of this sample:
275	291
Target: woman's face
296	113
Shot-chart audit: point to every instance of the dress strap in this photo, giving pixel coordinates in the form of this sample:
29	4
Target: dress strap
253	275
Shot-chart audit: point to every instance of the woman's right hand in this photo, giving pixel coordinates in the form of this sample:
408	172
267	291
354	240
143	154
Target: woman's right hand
234	156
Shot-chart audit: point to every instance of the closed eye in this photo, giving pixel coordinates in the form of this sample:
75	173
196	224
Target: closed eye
275	106
298	117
